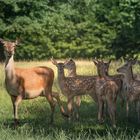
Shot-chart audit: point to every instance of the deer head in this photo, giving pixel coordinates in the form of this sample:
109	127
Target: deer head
69	64
60	66
9	47
102	67
127	66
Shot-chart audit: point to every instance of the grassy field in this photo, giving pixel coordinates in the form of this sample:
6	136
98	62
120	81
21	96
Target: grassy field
34	114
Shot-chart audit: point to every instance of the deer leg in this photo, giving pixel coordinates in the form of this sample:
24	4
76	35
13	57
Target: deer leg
105	109
122	99
112	112
78	102
100	111
70	107
135	106
127	109
109	112
138	110
15	101
52	105
56	96
73	110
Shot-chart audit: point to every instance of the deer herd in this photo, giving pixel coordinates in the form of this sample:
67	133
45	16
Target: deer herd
104	89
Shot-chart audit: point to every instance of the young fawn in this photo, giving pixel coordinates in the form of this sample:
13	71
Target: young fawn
22	84
74	86
102	88
131	86
107	91
103	72
71	67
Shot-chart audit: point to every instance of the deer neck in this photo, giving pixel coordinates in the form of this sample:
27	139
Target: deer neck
102	75
72	72
9	68
61	75
127	81
106	75
128	77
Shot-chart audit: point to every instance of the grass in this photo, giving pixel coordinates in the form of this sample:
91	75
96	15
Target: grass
34	114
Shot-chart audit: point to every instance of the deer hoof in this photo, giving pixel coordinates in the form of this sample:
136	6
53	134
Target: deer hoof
101	121
114	126
16	122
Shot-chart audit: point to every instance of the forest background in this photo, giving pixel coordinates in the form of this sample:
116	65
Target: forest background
71	28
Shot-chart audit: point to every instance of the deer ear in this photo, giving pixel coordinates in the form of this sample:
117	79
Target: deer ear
125	59
17	41
2	41
66	61
122	60
95	61
135	58
134	61
53	61
109	61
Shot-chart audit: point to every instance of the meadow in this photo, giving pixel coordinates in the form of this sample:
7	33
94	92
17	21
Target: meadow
34	114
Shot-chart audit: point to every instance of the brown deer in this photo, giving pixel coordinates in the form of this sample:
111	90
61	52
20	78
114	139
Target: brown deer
131	86
71	67
107	92
103	72
22	84
74	86
101	88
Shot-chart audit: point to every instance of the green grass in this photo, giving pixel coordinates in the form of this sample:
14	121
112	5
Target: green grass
34	114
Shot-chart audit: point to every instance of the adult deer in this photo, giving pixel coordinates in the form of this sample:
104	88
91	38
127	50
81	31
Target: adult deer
22	84
131	86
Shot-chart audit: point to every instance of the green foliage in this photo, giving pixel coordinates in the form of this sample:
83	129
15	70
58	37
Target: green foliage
71	28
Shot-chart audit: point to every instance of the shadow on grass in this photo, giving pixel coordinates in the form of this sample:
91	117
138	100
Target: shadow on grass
39	118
